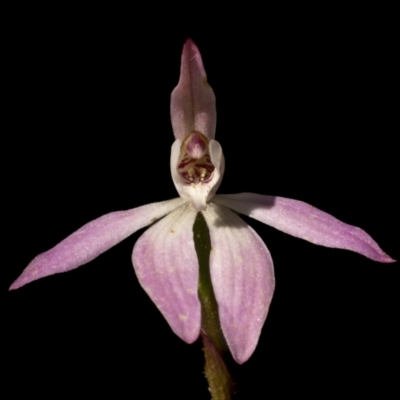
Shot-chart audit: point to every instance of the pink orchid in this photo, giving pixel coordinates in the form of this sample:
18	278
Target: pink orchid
164	257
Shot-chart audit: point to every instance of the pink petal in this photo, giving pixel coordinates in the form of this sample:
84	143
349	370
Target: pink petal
193	100
92	239
166	265
304	221
242	275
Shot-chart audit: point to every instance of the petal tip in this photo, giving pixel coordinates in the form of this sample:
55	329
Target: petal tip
27	276
239	359
191	46
191	53
388	260
375	253
189	42
22	280
192	337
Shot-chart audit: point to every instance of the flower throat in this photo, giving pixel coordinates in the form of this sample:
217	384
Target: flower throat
195	164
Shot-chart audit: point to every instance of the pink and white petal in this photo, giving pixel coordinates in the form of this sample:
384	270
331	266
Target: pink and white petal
193	100
304	221
166	265
93	239
242	275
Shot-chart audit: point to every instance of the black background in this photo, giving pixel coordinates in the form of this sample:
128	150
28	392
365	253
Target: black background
88	132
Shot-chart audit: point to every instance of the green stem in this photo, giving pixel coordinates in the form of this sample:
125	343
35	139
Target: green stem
220	383
217	374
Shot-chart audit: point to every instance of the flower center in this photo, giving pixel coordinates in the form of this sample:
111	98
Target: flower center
195	164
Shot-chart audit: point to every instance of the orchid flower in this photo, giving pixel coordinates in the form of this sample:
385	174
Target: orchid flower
164	257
